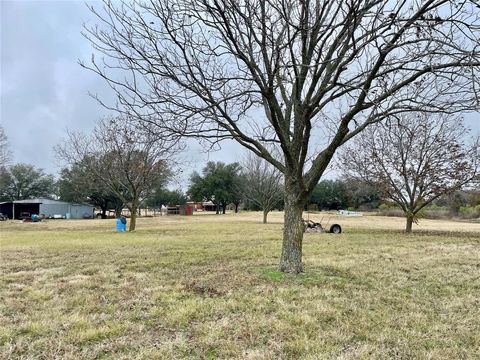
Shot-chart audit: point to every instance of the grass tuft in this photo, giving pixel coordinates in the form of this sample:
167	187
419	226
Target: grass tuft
274	275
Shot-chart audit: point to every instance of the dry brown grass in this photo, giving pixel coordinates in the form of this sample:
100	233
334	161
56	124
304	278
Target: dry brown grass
205	287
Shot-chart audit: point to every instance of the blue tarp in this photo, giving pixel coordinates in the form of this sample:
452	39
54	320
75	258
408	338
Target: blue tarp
120	225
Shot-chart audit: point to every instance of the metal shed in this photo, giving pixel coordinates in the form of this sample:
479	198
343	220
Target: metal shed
48	208
14	209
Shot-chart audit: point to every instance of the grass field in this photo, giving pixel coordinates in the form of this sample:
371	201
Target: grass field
206	287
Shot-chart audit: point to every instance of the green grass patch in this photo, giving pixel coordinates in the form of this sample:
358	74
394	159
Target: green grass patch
274	275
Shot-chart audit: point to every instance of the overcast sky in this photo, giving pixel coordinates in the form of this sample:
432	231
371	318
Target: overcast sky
44	90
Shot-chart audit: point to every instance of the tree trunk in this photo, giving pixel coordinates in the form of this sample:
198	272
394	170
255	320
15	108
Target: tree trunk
118	212
104	212
408	228
217	209
265	213
224	207
236	208
291	260
133	218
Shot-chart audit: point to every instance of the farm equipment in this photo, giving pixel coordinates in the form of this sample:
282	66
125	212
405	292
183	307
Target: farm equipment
311	226
24	215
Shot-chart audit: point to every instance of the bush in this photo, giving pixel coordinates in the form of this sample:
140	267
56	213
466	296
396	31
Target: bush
469	212
436	212
432	211
391	210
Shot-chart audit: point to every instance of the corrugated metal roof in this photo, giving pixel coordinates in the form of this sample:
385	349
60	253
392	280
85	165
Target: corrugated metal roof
43	201
21	202
28	201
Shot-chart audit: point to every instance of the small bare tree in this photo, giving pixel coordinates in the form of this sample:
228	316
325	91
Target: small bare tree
296	78
5	153
262	184
413	159
127	160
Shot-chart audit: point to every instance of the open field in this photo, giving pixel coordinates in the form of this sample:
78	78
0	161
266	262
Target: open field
205	287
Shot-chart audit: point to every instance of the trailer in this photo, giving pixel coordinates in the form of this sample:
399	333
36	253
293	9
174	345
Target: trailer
311	226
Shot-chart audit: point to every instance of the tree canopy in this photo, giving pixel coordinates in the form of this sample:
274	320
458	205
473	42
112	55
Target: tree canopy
218	183
162	196
78	184
361	194
24	181
329	195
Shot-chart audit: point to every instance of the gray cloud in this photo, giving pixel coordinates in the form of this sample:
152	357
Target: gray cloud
43	89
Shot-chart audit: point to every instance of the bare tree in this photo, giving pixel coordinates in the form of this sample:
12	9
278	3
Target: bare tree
5	153
262	183
78	184
413	159
128	160
294	78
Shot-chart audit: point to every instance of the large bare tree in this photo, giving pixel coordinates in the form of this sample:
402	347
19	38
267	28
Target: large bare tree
414	159
290	80
129	161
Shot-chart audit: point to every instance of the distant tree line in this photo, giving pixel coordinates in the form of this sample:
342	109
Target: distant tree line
75	184
344	194
416	166
254	183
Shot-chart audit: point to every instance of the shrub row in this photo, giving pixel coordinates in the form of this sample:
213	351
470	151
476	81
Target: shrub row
433	212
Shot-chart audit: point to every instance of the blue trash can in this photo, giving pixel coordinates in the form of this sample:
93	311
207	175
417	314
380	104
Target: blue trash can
121	224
